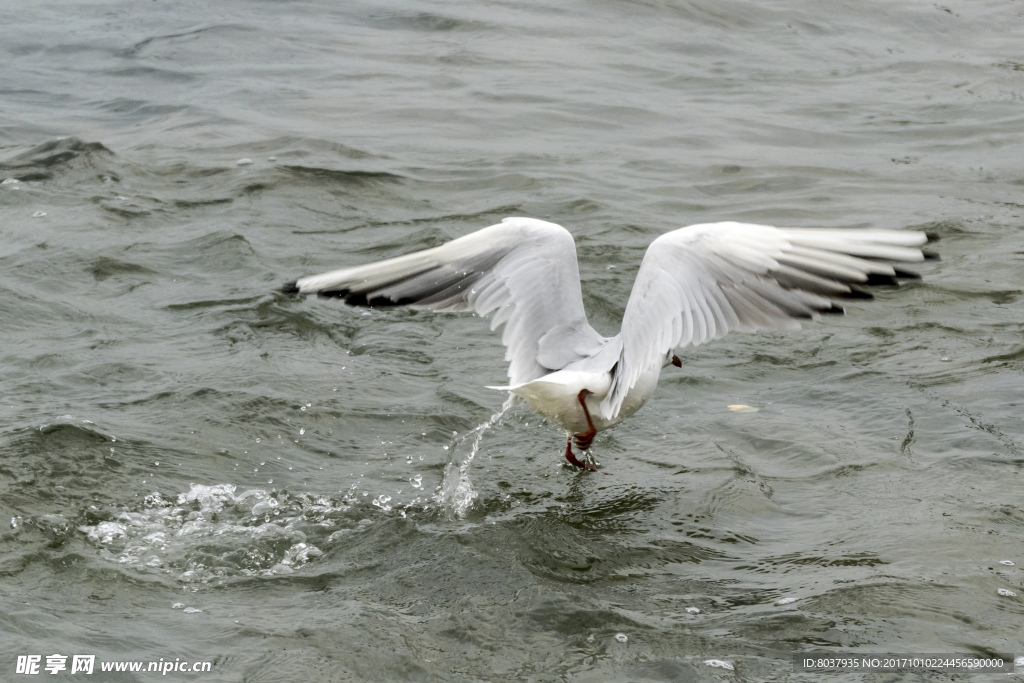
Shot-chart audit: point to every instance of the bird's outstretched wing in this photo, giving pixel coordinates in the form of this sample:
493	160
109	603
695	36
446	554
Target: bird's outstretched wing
700	282
523	271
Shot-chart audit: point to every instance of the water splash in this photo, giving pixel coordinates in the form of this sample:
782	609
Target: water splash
211	534
455	493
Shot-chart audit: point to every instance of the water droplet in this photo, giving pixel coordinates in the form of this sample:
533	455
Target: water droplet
693	610
945	359
243	162
302	431
417	481
785	601
264	506
1008	563
1006	593
271	158
178	605
621	637
38	214
192	610
10	181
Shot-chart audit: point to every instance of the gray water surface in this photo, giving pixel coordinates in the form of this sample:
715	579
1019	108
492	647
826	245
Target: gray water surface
196	466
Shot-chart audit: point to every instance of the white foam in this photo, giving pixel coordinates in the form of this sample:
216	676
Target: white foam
209	534
719	664
105	533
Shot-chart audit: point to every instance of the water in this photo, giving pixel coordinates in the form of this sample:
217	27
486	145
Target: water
195	466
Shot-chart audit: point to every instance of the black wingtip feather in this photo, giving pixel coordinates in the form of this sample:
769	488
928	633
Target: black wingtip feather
931	255
833	310
360	299
290	287
907	274
881	279
346	296
335	294
855	293
932	236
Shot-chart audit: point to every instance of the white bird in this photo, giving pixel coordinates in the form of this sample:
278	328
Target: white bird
695	284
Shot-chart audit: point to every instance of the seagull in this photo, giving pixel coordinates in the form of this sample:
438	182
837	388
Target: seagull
695	284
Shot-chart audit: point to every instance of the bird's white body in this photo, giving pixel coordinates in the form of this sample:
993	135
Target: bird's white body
694	285
556	397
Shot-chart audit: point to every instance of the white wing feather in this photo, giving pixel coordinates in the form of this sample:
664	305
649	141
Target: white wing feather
700	282
523	271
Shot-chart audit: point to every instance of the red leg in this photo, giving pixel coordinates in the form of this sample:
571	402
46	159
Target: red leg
584	439
589	466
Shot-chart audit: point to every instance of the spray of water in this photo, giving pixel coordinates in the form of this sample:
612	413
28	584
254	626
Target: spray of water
455	493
